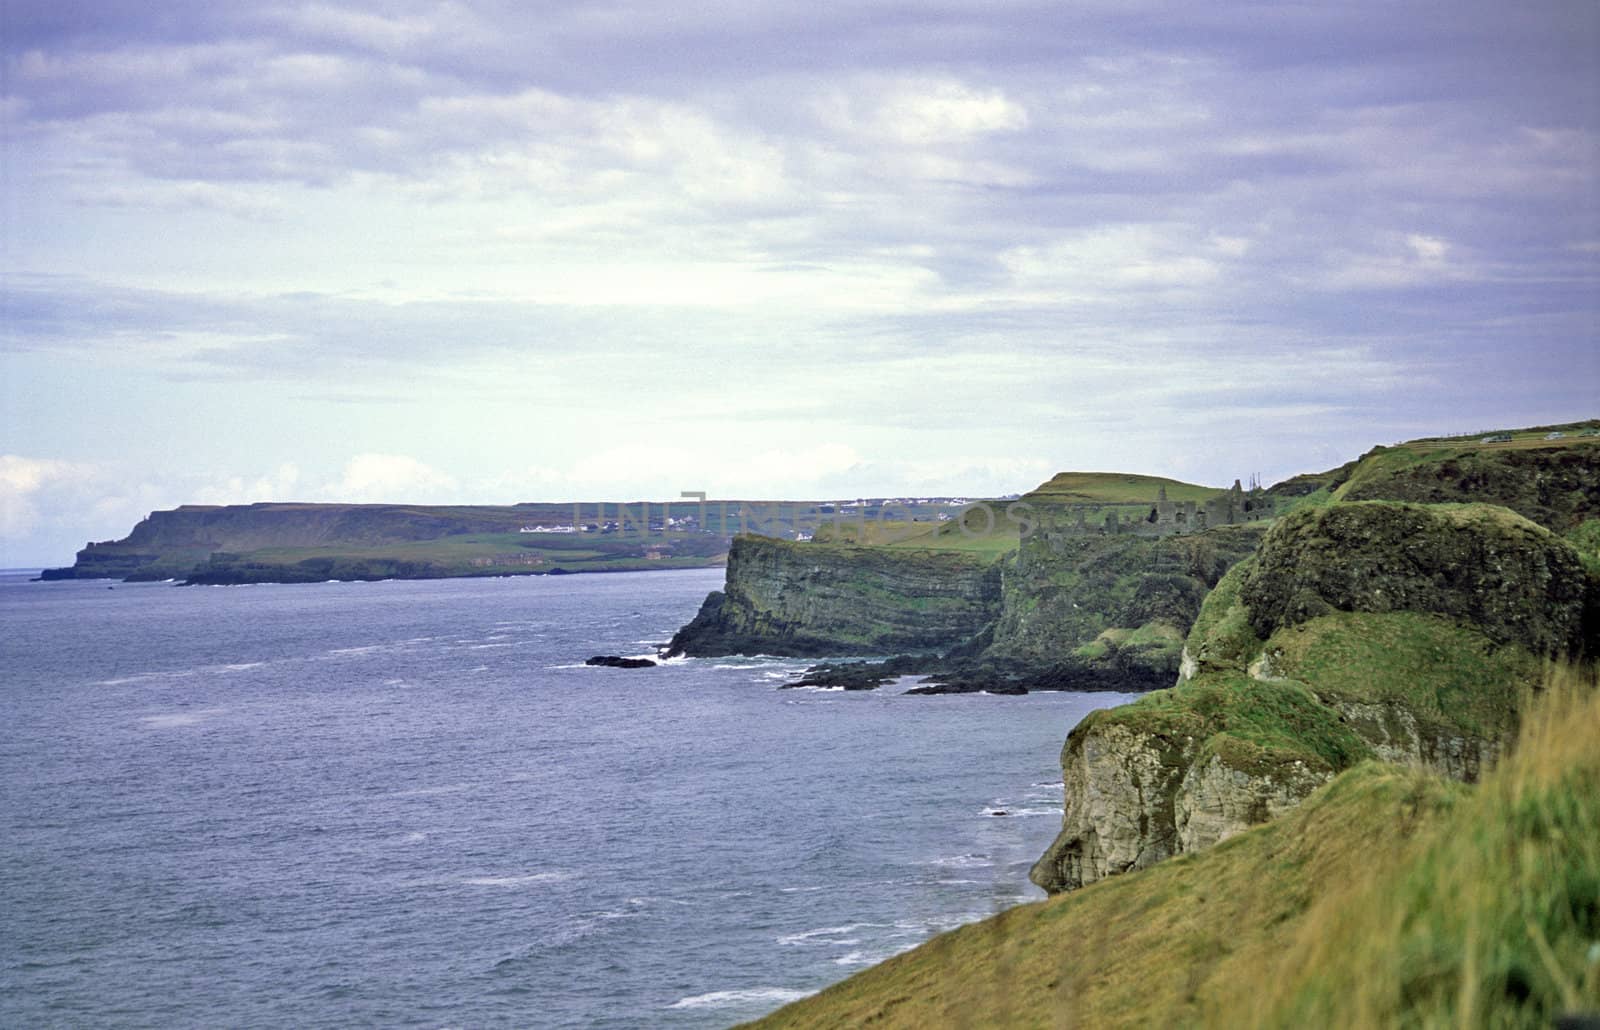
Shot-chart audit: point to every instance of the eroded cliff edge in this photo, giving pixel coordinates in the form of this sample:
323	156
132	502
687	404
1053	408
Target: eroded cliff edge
1373	629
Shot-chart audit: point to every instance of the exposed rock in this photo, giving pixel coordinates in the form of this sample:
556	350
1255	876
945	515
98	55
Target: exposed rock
1397	735
864	675
611	661
1183	769
1216	800
836	599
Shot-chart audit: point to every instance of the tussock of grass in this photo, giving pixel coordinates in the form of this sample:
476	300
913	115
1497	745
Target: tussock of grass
1392	897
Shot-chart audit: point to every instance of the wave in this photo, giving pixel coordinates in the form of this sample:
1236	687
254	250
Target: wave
357	652
143	677
519	881
834	935
174	719
961	861
746	996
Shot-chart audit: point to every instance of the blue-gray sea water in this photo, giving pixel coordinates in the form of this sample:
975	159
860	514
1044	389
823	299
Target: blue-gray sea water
410	804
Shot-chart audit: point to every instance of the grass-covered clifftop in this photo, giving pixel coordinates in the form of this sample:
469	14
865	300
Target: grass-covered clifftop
1391	897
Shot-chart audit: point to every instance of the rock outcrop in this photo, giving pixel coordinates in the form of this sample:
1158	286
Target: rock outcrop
1516	581
815	599
1397	631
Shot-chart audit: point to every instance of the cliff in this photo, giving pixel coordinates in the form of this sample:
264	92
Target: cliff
1359	630
1115	607
827	599
1068	607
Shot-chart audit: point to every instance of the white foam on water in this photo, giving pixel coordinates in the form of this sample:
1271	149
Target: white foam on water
358	652
961	862
518	881
428	792
143	677
172	720
240	666
829	935
747	996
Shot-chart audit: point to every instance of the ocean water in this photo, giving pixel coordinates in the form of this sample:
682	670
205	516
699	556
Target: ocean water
409	804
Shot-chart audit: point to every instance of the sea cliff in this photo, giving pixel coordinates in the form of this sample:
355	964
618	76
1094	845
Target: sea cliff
1370	629
813	599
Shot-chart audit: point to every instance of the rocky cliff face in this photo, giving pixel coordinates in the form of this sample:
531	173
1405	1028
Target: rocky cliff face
1110	602
813	599
1395	631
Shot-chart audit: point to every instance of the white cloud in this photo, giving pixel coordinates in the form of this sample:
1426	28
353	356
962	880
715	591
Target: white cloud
278	486
919	111
22	482
1088	265
1393	261
391	478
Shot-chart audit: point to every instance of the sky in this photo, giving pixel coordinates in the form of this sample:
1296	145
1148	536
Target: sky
488	251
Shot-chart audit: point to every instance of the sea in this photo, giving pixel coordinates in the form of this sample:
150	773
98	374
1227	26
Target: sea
412	804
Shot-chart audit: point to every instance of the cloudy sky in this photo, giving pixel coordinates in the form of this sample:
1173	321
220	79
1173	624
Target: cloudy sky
492	251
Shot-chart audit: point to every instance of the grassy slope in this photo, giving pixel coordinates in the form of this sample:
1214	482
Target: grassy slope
1391	897
979	538
1114	488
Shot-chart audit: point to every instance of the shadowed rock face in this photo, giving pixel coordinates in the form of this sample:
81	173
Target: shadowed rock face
1285	686
823	599
1065	590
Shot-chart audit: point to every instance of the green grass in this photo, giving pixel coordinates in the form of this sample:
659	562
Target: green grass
1254	726
1114	488
1441	671
1586	538
1221	637
929	536
1391	897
